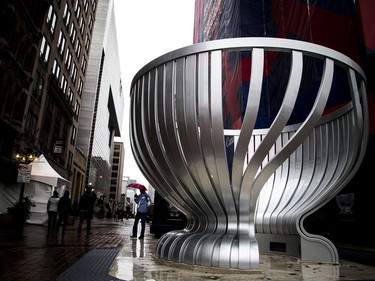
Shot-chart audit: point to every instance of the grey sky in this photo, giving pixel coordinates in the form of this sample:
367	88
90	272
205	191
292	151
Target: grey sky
147	29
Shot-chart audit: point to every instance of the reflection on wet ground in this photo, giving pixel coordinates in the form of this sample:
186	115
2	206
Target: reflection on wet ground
136	261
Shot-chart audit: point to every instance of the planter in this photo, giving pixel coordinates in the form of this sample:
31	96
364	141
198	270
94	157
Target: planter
5	219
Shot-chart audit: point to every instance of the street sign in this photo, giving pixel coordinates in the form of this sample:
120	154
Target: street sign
23	175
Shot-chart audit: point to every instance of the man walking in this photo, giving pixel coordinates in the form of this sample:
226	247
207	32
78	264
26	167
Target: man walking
86	211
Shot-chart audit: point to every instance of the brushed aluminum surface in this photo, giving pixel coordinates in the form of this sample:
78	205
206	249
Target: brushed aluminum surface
280	173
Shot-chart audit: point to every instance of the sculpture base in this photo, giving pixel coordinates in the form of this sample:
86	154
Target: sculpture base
206	269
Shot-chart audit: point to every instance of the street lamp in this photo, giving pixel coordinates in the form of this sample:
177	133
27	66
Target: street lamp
25	158
23	171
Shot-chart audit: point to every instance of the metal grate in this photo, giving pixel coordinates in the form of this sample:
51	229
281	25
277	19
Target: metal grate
94	265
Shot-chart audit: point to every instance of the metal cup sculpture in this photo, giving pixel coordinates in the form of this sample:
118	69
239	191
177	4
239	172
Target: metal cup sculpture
247	137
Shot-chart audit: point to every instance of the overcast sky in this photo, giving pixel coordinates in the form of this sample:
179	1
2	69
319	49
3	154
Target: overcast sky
147	29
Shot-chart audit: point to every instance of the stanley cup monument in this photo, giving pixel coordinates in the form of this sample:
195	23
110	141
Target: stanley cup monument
247	186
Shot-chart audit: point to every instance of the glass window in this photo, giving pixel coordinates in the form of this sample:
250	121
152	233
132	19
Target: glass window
66	15
56	69
81	25
38	88
31	121
85	5
68	59
51	19
90	23
87	42
74	135
73	73
45	50
93	3
84	64
80	86
61	43
78	11
78	49
76	110
73	33
64	84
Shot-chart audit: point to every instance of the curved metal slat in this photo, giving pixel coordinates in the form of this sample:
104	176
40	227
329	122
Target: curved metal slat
280	174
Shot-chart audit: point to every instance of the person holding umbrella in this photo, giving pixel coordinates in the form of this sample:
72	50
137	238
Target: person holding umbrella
143	201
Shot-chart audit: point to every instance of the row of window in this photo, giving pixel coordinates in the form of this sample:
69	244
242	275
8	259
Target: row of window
78	50
61	43
44	53
54	117
70	65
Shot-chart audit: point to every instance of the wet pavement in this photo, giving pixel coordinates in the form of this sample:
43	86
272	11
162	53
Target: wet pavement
37	255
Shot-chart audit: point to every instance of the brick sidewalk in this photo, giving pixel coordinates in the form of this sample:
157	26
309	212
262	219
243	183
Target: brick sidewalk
37	255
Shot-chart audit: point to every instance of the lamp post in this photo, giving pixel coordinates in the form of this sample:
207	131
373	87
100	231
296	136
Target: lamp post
24	173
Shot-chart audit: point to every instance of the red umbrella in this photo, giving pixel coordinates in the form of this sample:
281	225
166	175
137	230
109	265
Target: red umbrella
137	186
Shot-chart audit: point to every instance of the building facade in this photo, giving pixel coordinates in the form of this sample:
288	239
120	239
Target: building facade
18	59
51	82
40	115
101	113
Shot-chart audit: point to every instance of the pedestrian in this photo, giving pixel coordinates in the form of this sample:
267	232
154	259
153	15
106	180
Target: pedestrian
63	210
86	211
52	208
143	201
128	210
122	214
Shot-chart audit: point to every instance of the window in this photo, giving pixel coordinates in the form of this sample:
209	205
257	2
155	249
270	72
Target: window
31	121
80	86
87	42
45	49
70	161
78	49
61	43
84	63
58	117
76	4
73	136
68	59
73	73
76	109
51	19
85	5
78	10
90	23
63	84
93	3
73	33
44	139
66	128
56	69
38	88
81	25
66	15
70	96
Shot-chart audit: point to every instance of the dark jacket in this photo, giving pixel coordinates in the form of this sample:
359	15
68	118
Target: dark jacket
143	201
86	203
64	204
